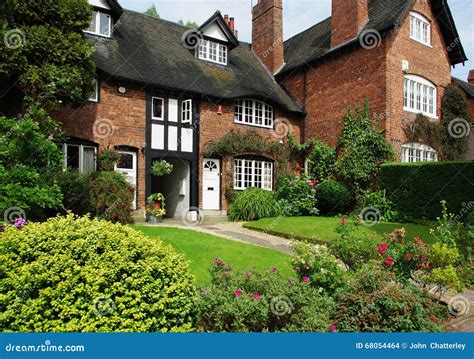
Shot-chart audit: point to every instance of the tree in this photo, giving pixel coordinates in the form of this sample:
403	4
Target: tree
44	57
455	122
190	24
151	11
363	149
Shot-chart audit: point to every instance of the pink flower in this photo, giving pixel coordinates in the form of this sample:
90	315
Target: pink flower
332	328
256	296
274	269
408	256
389	262
305	279
238	293
382	249
343	221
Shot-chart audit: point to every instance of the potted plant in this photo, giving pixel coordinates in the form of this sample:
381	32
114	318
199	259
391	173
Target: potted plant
155	208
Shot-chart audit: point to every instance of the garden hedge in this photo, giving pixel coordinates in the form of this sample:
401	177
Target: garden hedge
418	188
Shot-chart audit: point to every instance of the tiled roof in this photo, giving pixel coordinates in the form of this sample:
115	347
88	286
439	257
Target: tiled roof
465	86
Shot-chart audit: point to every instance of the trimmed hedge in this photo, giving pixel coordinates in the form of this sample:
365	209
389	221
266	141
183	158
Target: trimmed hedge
418	188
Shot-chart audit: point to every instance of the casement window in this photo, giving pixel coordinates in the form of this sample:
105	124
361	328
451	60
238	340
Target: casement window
157	108
80	157
254	113
101	24
419	96
187	111
212	51
95	95
420	28
253	173
417	152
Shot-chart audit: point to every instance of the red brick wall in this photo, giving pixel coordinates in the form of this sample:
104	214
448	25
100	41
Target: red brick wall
122	117
267	33
335	85
214	126
431	63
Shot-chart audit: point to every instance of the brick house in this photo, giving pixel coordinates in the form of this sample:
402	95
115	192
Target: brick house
467	89
396	53
165	91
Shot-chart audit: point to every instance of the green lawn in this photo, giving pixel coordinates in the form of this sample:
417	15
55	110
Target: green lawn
200	249
322	229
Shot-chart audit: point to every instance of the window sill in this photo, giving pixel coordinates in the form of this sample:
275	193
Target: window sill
430	116
97	34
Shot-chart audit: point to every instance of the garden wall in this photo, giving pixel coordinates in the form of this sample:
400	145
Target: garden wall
418	188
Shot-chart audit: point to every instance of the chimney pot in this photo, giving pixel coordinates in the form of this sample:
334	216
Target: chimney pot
232	24
470	77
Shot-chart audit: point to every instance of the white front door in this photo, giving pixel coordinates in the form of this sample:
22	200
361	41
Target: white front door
128	167
211	184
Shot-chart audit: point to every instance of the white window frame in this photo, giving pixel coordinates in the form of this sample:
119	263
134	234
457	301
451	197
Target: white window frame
420	29
187	111
95	95
212	51
81	155
162	108
419	96
253	113
97	32
418	152
253	173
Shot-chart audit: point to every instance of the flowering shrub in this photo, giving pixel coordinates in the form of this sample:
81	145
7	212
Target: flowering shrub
112	196
73	274
353	248
402	256
297	195
318	267
108	159
260	302
374	301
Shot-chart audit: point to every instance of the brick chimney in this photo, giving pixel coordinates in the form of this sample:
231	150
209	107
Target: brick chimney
348	17
267	33
470	77
230	21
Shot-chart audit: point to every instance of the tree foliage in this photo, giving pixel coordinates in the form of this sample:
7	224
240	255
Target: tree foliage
151	11
44	53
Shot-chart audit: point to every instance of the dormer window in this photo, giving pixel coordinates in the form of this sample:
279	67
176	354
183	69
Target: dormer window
101	24
212	51
420	28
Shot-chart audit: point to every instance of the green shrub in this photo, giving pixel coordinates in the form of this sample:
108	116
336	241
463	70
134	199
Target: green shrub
386	208
333	197
374	301
112	196
260	302
321	161
253	204
73	274
318	267
418	188
230	194
354	248
108	159
76	190
296	195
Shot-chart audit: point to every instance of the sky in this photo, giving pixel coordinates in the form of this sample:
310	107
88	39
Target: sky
298	15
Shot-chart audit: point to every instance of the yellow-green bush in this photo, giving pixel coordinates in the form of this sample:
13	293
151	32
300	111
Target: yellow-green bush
75	274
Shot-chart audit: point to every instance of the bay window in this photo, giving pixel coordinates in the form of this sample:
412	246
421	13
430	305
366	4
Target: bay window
419	96
253	173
